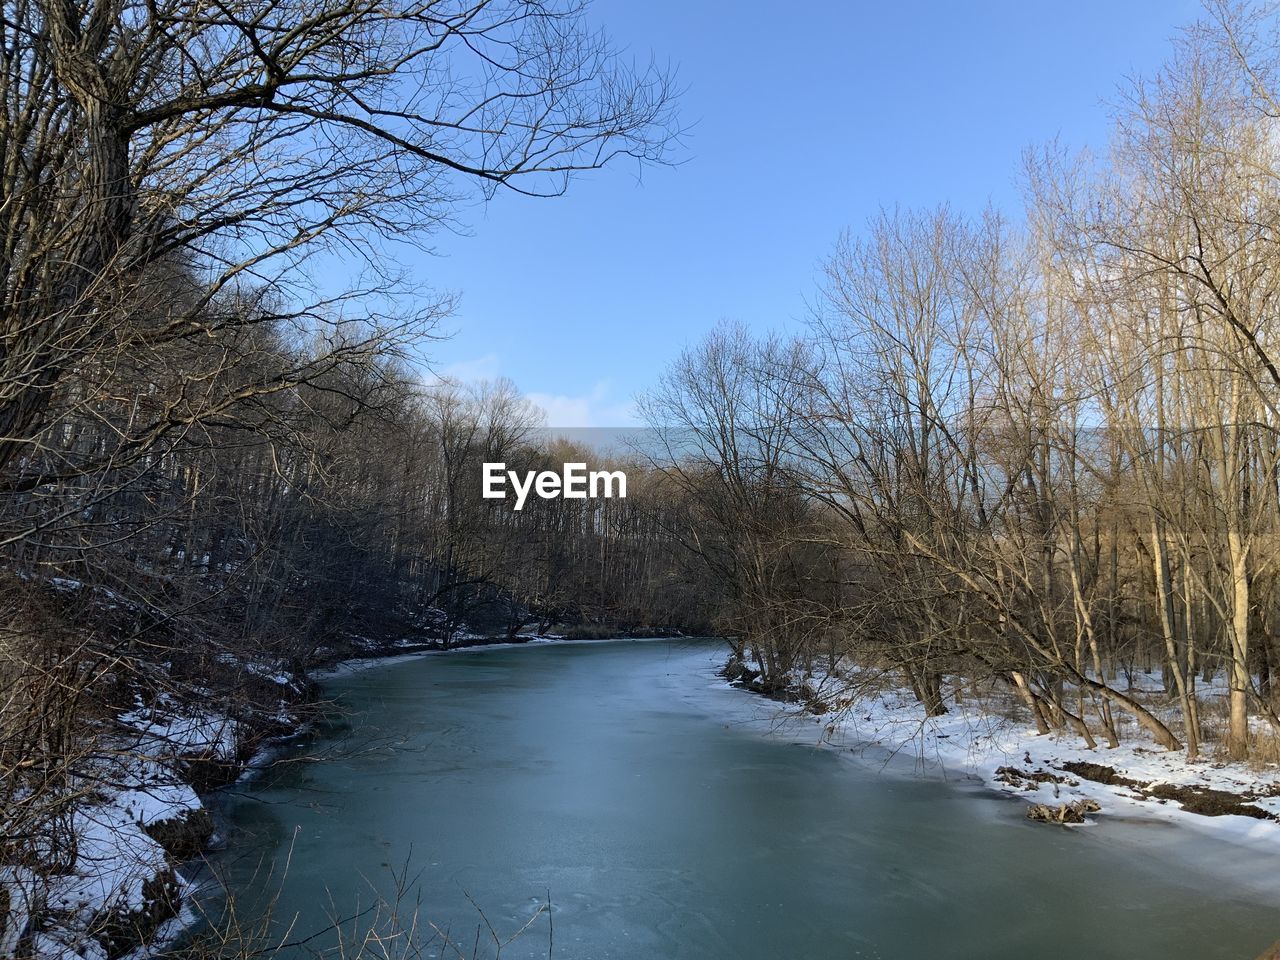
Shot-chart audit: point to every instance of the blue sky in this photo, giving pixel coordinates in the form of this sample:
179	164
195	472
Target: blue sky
805	119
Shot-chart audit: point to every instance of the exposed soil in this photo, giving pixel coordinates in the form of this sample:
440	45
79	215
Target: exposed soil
1098	773
1205	801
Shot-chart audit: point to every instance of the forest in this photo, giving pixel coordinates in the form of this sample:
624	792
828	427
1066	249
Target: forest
1035	451
1038	453
216	465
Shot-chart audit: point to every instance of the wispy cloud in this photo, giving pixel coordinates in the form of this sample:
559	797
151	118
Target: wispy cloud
486	367
598	408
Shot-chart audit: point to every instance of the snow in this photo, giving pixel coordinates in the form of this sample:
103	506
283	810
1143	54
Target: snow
115	862
271	672
134	788
168	731
114	859
22	886
976	737
58	946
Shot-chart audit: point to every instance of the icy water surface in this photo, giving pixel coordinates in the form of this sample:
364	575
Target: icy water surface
664	821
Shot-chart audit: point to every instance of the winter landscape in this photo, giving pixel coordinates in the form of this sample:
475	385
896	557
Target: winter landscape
491	478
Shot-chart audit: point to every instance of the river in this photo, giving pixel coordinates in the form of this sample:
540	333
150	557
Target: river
667	816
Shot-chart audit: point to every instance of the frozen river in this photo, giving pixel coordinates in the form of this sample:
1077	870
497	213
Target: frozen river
664	820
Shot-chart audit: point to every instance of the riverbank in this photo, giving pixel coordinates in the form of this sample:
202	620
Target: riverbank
666	815
146	818
990	738
140	823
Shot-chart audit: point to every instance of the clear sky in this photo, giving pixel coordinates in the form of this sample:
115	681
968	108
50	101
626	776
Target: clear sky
806	118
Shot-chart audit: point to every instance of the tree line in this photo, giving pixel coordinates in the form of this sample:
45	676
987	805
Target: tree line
221	454
1040	455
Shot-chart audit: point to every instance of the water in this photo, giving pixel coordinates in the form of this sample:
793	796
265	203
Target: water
662	820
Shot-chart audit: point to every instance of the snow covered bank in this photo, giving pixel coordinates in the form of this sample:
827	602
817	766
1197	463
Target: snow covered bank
989	738
111	879
136	816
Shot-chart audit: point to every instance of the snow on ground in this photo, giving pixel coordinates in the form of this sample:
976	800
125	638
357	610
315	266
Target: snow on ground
119	870
977	737
115	857
169	731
